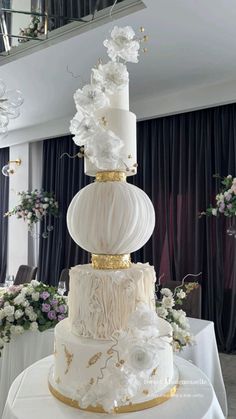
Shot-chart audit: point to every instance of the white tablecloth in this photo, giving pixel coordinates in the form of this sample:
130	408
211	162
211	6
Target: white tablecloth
19	354
204	354
30	347
29	398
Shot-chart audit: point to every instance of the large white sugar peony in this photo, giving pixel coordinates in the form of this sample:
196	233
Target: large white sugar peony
103	150
112	76
84	130
90	98
143	357
122	223
122	44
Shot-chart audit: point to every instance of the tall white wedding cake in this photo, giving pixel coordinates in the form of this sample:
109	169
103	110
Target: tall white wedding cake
113	353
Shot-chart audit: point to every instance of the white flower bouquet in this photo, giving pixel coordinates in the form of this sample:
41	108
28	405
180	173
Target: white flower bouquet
176	317
225	199
33	306
34	206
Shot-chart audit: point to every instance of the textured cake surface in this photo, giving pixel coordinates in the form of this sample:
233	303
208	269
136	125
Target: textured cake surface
100	302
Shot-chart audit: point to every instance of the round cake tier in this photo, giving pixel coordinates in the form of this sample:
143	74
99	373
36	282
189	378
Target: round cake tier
111	218
123	124
101	301
82	368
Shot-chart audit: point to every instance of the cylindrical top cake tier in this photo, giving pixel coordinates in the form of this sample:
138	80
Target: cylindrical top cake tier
101	301
122	123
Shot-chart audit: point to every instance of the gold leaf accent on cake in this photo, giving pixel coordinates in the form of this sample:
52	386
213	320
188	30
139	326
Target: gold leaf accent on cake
94	359
58	380
145	392
154	371
69	358
110	176
91	382
122	361
100	261
110	351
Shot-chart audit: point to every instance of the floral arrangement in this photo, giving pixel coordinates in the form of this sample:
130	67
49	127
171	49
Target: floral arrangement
34	206
33	306
100	144
176	317
225	199
33	30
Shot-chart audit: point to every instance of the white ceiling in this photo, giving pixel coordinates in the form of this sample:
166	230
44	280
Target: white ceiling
191	43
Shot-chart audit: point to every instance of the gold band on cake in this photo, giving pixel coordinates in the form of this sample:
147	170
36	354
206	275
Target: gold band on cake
132	407
110	176
111	261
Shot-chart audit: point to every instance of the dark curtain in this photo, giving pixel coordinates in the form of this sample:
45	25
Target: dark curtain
61	11
4	195
65	177
177	157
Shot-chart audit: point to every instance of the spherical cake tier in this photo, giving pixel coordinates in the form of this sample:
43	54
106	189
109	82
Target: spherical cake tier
111	218
101	301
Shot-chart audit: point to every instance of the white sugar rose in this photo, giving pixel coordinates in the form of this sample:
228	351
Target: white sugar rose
143	317
9	310
18	314
34	326
112	76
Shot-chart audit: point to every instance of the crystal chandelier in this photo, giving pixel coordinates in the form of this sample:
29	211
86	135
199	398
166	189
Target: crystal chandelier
10	101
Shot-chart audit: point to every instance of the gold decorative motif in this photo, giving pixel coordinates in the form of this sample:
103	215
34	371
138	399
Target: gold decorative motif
130	156
141	29
58	380
146	392
94	359
110	351
104	121
111	261
91	382
154	371
69	357
110	176
122	409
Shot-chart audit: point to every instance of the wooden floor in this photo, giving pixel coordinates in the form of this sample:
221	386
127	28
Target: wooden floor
228	364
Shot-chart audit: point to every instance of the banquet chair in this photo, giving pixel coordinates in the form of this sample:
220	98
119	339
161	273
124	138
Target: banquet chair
192	305
66	278
25	274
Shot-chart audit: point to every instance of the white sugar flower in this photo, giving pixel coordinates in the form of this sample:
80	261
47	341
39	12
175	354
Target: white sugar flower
122	44
34	326
75	122
90	98
86	131
167	292
104	150
143	357
18	314
112	76
143	317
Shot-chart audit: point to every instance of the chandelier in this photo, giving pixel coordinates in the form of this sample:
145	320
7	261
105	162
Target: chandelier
10	101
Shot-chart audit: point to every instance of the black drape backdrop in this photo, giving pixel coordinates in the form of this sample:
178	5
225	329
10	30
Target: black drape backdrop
4	194
177	157
65	177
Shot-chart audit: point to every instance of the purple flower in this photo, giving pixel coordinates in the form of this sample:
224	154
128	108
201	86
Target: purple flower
228	197
60	317
44	295
46	307
62	309
229	206
54	302
52	315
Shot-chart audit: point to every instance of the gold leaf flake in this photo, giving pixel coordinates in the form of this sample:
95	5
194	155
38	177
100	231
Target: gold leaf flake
145	392
154	372
94	359
69	357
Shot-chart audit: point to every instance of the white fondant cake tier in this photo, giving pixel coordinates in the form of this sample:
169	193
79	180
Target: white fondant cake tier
101	301
111	218
83	366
